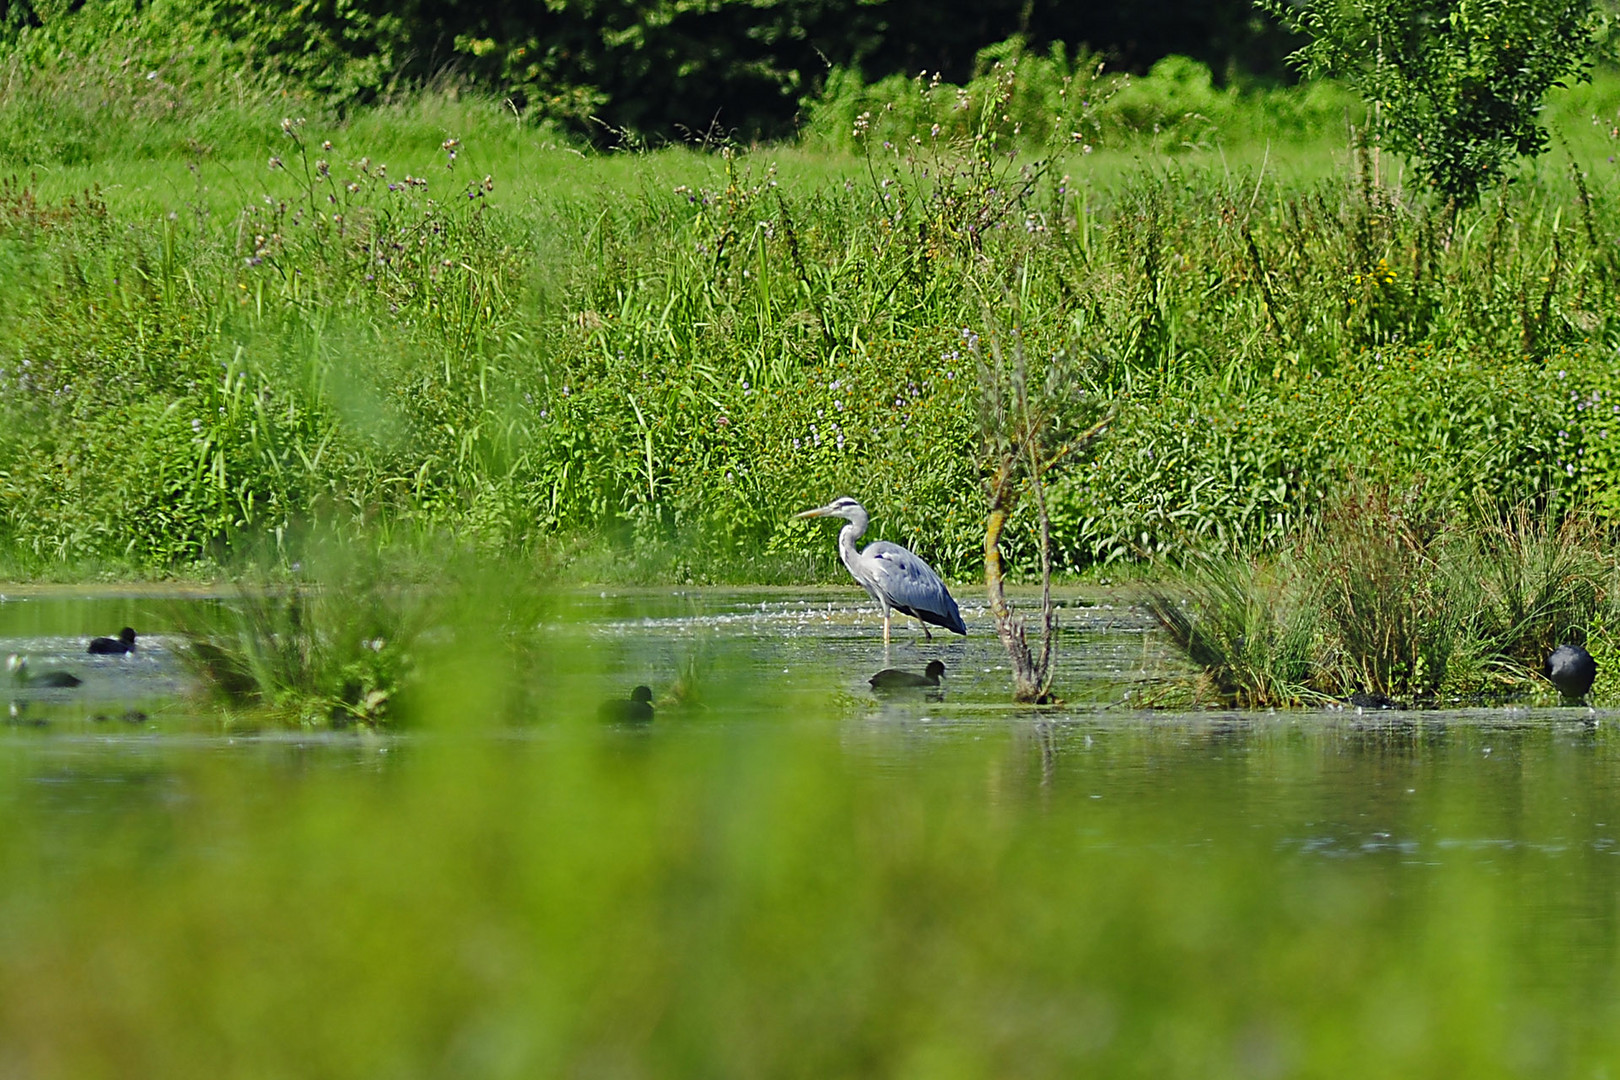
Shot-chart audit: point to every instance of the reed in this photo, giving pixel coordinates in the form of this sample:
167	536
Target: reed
425	319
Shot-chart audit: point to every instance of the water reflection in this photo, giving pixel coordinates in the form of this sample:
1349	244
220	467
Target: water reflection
1338	783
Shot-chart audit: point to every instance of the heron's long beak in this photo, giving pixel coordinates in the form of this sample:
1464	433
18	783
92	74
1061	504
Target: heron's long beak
820	511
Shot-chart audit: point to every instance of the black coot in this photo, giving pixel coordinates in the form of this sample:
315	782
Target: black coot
637	707
895	679
22	677
118	646
1571	669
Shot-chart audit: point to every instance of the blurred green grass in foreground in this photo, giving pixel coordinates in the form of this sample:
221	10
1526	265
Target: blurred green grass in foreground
744	895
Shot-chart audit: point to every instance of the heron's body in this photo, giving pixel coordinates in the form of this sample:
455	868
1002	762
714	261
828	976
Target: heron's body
22	677
895	679
1571	669
897	579
118	646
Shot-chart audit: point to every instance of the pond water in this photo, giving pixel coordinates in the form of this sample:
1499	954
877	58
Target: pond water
793	875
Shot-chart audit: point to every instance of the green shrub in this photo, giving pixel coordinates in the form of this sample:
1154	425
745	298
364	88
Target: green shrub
1456	87
1052	101
1392	596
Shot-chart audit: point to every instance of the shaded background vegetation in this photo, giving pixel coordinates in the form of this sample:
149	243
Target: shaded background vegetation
652	69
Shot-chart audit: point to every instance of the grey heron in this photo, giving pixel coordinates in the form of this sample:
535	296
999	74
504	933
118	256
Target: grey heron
893	576
22	677
118	646
895	679
1571	669
637	707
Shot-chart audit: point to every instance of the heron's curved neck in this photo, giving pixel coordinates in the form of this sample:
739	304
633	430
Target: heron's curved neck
847	536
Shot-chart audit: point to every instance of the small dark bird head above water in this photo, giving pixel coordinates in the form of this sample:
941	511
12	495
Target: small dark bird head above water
637	707
895	679
1571	669
123	643
17	667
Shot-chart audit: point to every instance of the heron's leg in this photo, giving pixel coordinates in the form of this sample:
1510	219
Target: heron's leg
885	624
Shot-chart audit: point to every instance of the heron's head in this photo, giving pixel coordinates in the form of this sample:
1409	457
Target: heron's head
843	506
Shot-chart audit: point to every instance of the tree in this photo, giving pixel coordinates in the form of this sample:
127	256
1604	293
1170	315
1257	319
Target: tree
1455	85
1027	431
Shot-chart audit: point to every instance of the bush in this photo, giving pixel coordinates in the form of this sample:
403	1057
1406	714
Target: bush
1391	598
1052	102
1455	87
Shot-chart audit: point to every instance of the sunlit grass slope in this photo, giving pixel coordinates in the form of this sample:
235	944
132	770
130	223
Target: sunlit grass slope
434	318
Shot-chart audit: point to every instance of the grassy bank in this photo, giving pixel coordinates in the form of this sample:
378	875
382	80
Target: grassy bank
224	332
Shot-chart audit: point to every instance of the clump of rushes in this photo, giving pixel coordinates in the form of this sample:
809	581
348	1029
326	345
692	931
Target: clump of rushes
337	652
1376	559
1246	626
1387	598
1542	583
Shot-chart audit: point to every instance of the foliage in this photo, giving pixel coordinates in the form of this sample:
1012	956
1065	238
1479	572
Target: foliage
626	70
1238	624
1455	85
1016	99
334	647
1541	583
152	395
1389	597
1380	594
1174	107
647	361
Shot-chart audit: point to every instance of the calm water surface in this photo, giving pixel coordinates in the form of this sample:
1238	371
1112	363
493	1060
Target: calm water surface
1350	783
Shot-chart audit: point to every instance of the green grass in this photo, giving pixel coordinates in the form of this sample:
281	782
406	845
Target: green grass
1386	596
662	355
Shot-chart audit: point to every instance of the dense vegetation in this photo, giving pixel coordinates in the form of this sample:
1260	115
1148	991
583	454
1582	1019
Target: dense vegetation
228	327
648	69
1456	87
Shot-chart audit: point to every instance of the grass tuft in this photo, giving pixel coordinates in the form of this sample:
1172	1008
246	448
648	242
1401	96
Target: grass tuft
1390	598
1242	624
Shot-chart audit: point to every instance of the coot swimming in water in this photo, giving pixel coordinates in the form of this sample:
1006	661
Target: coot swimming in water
895	679
22	677
1571	669
638	706
118	646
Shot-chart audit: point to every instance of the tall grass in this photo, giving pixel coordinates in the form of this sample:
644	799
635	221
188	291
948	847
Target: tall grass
1241	627
351	635
1388	598
538	351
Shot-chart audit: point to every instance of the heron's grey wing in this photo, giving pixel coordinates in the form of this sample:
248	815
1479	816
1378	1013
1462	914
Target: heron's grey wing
911	585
